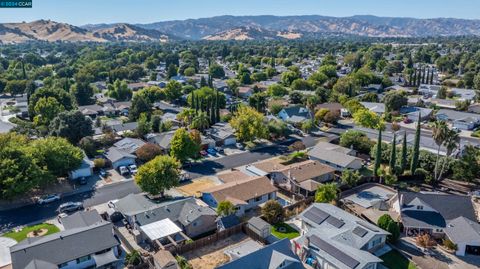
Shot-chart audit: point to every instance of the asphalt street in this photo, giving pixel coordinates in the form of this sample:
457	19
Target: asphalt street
36	213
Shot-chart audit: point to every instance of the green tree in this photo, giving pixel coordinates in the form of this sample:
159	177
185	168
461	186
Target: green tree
439	134
148	152
442	92
46	109
403	160
57	155
140	105
326	193
258	101
451	142
386	223
467	168
189	71
273	212
416	147
368	119
200	121
183	146
158	175
350	178
378	157
144	126
119	90
60	95
88	145
72	125
357	140
216	71
225	208
394	101
173	90
172	70
156	122
233	85
277	90
393	155
248	124
83	93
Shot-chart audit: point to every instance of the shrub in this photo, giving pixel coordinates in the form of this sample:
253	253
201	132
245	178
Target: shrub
273	212
449	244
99	163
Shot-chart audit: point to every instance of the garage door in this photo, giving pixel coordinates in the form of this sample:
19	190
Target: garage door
472	250
230	141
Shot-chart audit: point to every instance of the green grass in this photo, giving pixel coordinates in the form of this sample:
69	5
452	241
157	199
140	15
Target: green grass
290	232
395	260
366	172
21	235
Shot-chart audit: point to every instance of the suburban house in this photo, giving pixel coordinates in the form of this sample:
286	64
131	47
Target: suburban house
245	195
152	219
333	238
163	259
121	128
129	145
278	255
223	134
398	88
378	108
460	120
294	114
162	139
440	215
428	90
118	157
336	156
333	107
245	92
87	242
464	94
443	103
412	113
85	169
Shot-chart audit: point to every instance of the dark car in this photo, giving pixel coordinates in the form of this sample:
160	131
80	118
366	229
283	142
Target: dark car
82	181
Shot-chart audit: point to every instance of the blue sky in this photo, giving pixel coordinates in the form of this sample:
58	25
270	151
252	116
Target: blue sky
80	12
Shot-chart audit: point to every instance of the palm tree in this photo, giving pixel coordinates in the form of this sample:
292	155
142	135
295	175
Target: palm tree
451	143
439	133
201	121
186	116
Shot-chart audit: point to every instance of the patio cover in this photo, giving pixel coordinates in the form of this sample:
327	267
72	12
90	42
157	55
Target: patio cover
105	258
160	229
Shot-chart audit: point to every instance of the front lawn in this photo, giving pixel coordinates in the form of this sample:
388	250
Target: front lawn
288	231
395	260
21	235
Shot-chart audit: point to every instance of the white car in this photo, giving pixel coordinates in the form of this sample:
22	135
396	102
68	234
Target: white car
48	199
123	170
133	169
111	203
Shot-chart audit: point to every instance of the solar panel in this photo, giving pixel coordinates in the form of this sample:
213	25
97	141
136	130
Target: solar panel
334	252
316	215
337	223
360	231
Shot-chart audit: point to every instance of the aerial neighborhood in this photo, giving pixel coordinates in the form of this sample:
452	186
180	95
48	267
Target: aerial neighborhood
236	152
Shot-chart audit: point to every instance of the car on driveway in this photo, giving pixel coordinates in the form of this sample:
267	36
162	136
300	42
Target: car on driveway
133	169
212	152
70	207
103	173
48	199
239	145
203	153
219	149
123	170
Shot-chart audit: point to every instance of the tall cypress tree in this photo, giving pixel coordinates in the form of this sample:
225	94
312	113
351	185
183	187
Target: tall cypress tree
410	79
416	147
23	71
423	75
431	77
192	101
403	161
378	155
427	79
419	77
414	81
393	154
217	107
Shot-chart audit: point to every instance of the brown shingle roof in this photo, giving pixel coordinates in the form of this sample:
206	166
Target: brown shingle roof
306	170
233	176
269	165
242	191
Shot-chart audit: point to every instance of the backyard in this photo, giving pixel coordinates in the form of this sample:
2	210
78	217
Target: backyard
283	230
395	260
33	231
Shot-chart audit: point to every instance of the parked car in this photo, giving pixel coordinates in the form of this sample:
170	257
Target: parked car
186	164
212	152
239	145
184	176
48	199
111	203
133	169
219	149
70	207
123	170
82	181
456	130
203	153
407	120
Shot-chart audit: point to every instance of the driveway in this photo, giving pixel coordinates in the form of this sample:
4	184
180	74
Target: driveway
5	244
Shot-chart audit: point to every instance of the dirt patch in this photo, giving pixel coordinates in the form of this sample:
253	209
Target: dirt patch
213	255
197	186
37	233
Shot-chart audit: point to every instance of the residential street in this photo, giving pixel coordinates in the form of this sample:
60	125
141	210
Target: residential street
33	213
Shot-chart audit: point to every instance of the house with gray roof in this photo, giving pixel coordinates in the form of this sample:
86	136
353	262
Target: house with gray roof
162	139
340	158
118	157
90	243
294	114
5	127
378	108
275	256
440	214
189	214
129	145
459	119
223	134
333	238
124	127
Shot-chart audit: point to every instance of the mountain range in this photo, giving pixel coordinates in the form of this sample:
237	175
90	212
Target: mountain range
239	28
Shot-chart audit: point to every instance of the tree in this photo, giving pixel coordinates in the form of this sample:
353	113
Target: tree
59	95
258	101
248	124
72	125
386	222
439	134
46	109
87	144
442	92
83	93
300	85
403	160
357	140
307	126
416	147
158	175
119	90
225	208
57	155
233	85
173	90
216	71
133	258
393	155
273	212
205	96
276	90
368	119
476	82
394	101
326	193
451	143
183	263
156	122
200	121
148	152
144	126
140	105
189	71
172	71
467	167
378	157
182	145
350	178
